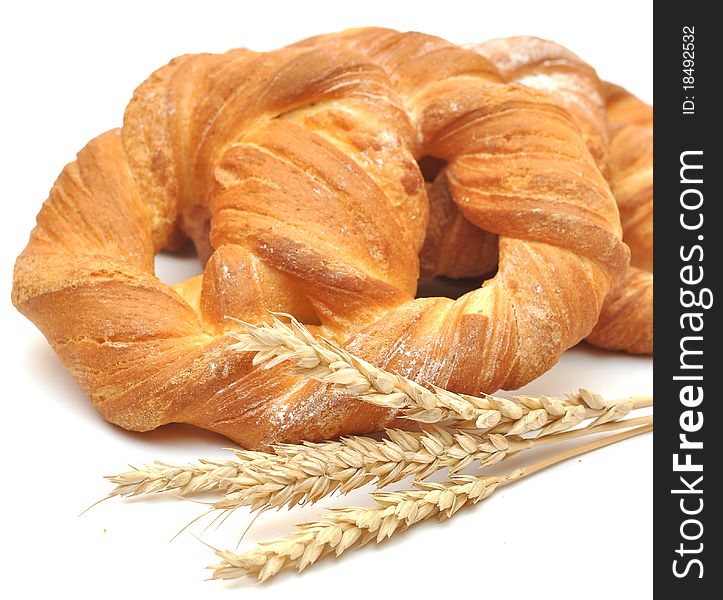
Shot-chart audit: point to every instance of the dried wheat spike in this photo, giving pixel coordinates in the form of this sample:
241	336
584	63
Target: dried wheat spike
342	528
321	359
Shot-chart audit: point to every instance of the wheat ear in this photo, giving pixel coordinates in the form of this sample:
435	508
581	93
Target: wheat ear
309	471
301	474
321	359
342	528
203	476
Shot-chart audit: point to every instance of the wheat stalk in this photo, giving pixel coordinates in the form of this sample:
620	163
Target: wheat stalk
342	528
321	359
301	474
204	476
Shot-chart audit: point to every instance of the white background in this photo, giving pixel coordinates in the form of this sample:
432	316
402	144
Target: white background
581	529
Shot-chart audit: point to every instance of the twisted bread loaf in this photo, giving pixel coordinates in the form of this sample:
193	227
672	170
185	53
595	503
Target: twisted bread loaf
626	320
602	111
295	174
617	128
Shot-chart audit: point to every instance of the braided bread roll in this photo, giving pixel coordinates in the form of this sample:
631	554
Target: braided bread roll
626	320
294	172
617	129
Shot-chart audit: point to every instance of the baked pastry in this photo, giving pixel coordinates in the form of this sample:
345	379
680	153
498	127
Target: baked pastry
626	320
617	129
295	174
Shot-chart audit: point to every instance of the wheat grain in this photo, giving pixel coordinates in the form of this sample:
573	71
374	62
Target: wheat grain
321	359
342	528
203	476
300	474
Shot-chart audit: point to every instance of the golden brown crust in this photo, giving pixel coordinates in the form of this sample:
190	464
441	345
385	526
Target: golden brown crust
631	146
626	320
617	128
553	69
622	108
305	161
453	246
